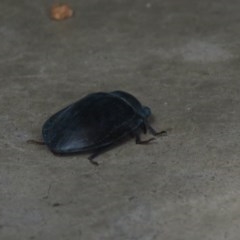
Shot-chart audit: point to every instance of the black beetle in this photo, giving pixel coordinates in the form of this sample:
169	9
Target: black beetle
96	122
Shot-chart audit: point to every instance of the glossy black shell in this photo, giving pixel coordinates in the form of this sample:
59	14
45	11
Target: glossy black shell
94	122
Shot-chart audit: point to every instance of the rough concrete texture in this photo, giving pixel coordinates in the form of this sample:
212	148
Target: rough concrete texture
181	58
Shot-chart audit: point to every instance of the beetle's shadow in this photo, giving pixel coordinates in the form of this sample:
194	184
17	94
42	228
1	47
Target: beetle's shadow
74	154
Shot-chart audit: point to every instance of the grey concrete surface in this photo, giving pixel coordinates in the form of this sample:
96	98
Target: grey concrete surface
181	58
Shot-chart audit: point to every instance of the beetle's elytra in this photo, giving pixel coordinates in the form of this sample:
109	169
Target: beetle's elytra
97	122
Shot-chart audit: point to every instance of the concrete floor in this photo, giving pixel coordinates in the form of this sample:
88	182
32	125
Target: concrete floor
181	58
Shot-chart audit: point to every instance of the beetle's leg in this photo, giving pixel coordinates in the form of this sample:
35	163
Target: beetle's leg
91	157
144	128
92	161
154	133
139	141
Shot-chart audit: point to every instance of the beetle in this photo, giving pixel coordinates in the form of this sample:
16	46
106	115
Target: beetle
96	122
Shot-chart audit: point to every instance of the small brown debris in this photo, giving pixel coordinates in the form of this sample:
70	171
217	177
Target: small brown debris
61	11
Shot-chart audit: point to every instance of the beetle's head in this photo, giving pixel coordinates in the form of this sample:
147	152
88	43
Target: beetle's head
146	111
